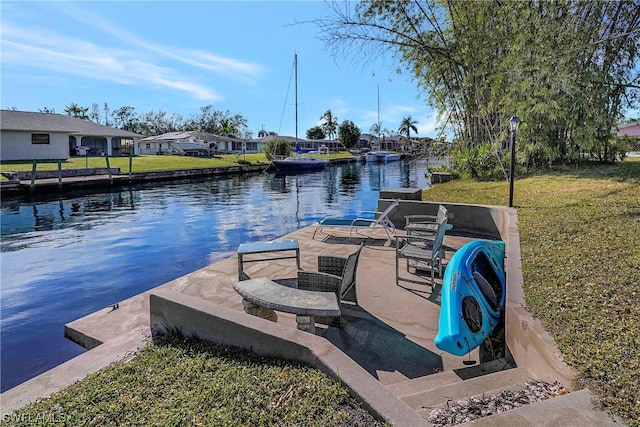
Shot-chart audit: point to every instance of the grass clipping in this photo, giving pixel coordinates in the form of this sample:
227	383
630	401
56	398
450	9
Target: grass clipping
192	382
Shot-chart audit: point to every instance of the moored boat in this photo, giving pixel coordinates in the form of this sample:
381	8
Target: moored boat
391	157
300	164
473	296
381	156
371	156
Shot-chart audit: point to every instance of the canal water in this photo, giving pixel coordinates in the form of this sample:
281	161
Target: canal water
64	259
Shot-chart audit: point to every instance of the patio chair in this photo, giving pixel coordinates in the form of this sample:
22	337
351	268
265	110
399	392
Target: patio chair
426	225
380	219
335	274
421	253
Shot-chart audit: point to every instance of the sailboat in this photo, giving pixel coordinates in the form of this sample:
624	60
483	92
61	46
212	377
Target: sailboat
298	163
378	155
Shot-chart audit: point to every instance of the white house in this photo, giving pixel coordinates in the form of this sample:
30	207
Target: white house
195	143
631	129
38	136
305	145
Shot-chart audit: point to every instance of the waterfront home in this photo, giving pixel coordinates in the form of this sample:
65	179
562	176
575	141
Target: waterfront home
630	129
28	135
196	143
306	145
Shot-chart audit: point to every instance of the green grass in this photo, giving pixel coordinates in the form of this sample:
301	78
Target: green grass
580	232
188	382
139	163
147	163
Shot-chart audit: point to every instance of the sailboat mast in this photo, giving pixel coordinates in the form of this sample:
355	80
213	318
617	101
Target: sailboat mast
378	111
379	130
295	63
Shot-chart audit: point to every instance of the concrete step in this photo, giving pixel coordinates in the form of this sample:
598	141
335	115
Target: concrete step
486	384
423	384
568	410
432	382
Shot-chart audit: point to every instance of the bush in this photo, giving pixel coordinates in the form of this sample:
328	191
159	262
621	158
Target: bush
277	148
479	163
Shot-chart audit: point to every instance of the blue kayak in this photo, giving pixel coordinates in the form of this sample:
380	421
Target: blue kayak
473	296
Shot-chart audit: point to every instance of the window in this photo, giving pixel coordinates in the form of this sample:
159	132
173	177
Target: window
40	138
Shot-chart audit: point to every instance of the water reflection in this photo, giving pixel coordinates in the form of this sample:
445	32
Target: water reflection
63	259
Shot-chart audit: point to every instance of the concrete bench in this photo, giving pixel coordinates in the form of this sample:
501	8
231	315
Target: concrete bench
262	297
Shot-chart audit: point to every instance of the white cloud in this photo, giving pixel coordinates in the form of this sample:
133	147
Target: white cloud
232	68
65	55
134	62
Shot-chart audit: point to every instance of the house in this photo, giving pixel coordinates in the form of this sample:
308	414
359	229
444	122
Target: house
631	129
29	135
306	145
195	143
387	142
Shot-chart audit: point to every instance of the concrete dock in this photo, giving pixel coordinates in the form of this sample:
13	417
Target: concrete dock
384	351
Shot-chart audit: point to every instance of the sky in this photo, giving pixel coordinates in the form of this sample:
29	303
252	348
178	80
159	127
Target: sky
181	56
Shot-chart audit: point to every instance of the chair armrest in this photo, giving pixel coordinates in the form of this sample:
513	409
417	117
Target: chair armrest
373	213
426	241
319	282
420	219
331	264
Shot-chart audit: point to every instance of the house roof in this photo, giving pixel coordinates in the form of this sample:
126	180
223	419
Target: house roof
46	122
629	125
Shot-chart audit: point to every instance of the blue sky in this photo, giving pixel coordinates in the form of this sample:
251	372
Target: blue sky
180	56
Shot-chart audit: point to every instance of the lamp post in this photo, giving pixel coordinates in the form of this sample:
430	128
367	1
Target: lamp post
514	122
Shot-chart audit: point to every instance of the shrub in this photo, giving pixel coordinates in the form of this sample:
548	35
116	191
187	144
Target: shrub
479	163
277	148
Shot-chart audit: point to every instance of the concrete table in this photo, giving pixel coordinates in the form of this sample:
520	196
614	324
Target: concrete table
254	248
260	297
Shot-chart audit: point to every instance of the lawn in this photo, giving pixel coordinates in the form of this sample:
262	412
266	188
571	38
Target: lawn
148	163
579	231
138	163
188	382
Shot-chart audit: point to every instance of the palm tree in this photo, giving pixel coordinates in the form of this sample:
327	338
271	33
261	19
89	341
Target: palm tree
407	125
228	128
329	124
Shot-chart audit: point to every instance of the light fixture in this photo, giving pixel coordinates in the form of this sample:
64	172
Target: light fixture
514	122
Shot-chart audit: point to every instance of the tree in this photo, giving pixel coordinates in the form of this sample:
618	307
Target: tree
74	110
94	115
315	132
218	122
407	125
106	115
127	119
567	68
44	110
159	122
349	134
329	124
228	128
375	129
